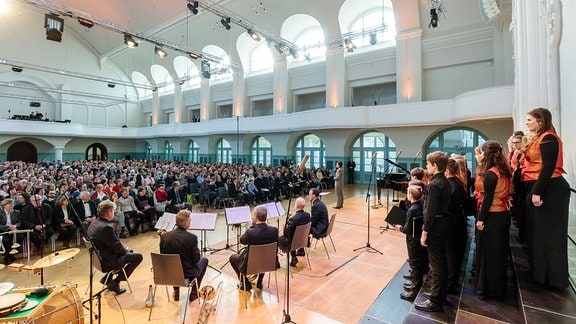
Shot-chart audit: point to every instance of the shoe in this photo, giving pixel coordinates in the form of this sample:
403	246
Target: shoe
300	252
408	285
337	207
122	235
114	286
294	262
429	306
427	294
408	277
193	296
409	295
134	232
176	296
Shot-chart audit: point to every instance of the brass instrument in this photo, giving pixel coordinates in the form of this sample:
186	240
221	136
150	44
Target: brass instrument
208	293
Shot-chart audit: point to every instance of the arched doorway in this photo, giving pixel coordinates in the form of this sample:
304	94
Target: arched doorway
96	151
22	151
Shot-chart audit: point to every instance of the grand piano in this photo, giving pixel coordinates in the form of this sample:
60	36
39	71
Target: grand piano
396	181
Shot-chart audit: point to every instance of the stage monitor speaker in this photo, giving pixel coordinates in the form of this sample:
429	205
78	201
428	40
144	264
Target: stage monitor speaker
396	216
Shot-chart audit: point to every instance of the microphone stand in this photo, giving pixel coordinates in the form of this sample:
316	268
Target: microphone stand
372	174
42	236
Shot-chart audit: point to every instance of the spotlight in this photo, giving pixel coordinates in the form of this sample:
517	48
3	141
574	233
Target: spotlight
160	52
17	68
194	56
226	23
373	39
279	48
433	18
293	52
111	85
253	35
193	7
307	57
349	45
86	22
129	41
54	27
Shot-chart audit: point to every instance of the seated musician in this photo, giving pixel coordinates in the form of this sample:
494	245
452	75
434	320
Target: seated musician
9	221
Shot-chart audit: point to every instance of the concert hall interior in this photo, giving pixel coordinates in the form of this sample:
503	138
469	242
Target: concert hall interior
165	88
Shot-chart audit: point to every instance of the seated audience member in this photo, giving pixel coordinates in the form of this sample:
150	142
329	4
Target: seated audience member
63	224
184	243
86	210
258	233
38	217
300	217
177	198
9	221
127	206
143	204
114	255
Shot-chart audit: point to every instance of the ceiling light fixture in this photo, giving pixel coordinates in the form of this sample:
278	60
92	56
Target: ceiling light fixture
129	41
85	22
193	7
349	45
194	56
253	35
226	22
160	52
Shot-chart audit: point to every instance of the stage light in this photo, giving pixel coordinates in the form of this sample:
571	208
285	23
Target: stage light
433	18
54	27
111	85
194	56
226	23
160	52
373	39
193	7
129	41
279	48
253	35
86	22
293	52
349	45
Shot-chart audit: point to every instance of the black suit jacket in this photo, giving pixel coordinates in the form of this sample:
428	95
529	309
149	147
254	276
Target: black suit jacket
59	215
104	238
319	219
14	219
299	218
184	243
30	218
172	196
259	234
79	207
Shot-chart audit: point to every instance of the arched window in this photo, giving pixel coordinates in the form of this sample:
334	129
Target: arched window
368	146
261	58
261	151
168	151
373	19
457	141
193	151
312	145
223	151
312	40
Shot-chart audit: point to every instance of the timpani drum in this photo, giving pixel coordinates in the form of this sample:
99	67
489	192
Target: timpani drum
64	305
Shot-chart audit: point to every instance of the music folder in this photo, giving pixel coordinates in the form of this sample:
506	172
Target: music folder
396	216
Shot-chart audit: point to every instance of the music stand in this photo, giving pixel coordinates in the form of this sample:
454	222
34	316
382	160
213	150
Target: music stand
235	216
203	222
372	176
273	210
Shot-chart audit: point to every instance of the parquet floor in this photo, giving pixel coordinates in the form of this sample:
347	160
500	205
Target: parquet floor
336	290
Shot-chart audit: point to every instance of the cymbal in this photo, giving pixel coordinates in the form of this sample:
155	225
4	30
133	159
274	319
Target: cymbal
56	257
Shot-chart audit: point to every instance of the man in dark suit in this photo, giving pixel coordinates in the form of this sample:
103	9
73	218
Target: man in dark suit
86	209
184	243
38	217
300	217
177	198
319	214
9	221
258	233
113	254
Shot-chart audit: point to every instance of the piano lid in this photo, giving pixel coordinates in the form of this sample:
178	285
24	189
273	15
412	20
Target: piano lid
396	165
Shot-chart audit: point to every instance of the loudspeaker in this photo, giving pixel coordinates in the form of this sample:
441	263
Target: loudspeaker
396	216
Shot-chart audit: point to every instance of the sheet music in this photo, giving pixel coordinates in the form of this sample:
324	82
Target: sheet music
280	209
203	221
275	209
166	222
238	215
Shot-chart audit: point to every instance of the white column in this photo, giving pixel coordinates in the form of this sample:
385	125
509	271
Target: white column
178	109
240	104
537	27
335	78
281	89
58	153
409	66
205	100
156	118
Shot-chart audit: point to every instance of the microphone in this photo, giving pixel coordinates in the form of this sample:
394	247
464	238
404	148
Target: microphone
418	154
374	156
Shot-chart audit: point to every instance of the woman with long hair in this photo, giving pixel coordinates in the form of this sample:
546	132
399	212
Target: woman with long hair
547	200
493	222
63	221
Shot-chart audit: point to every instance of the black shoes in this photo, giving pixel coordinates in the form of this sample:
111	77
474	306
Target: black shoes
429	306
408	277
114	286
337	207
409	295
294	262
176	295
122	235
409	285
8	259
300	252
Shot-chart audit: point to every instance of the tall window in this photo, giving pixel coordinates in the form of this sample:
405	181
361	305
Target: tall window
312	145
168	151
369	152
261	151
261	58
312	40
223	151
193	151
372	19
457	141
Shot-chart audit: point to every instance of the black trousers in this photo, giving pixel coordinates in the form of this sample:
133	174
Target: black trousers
417	259
438	274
